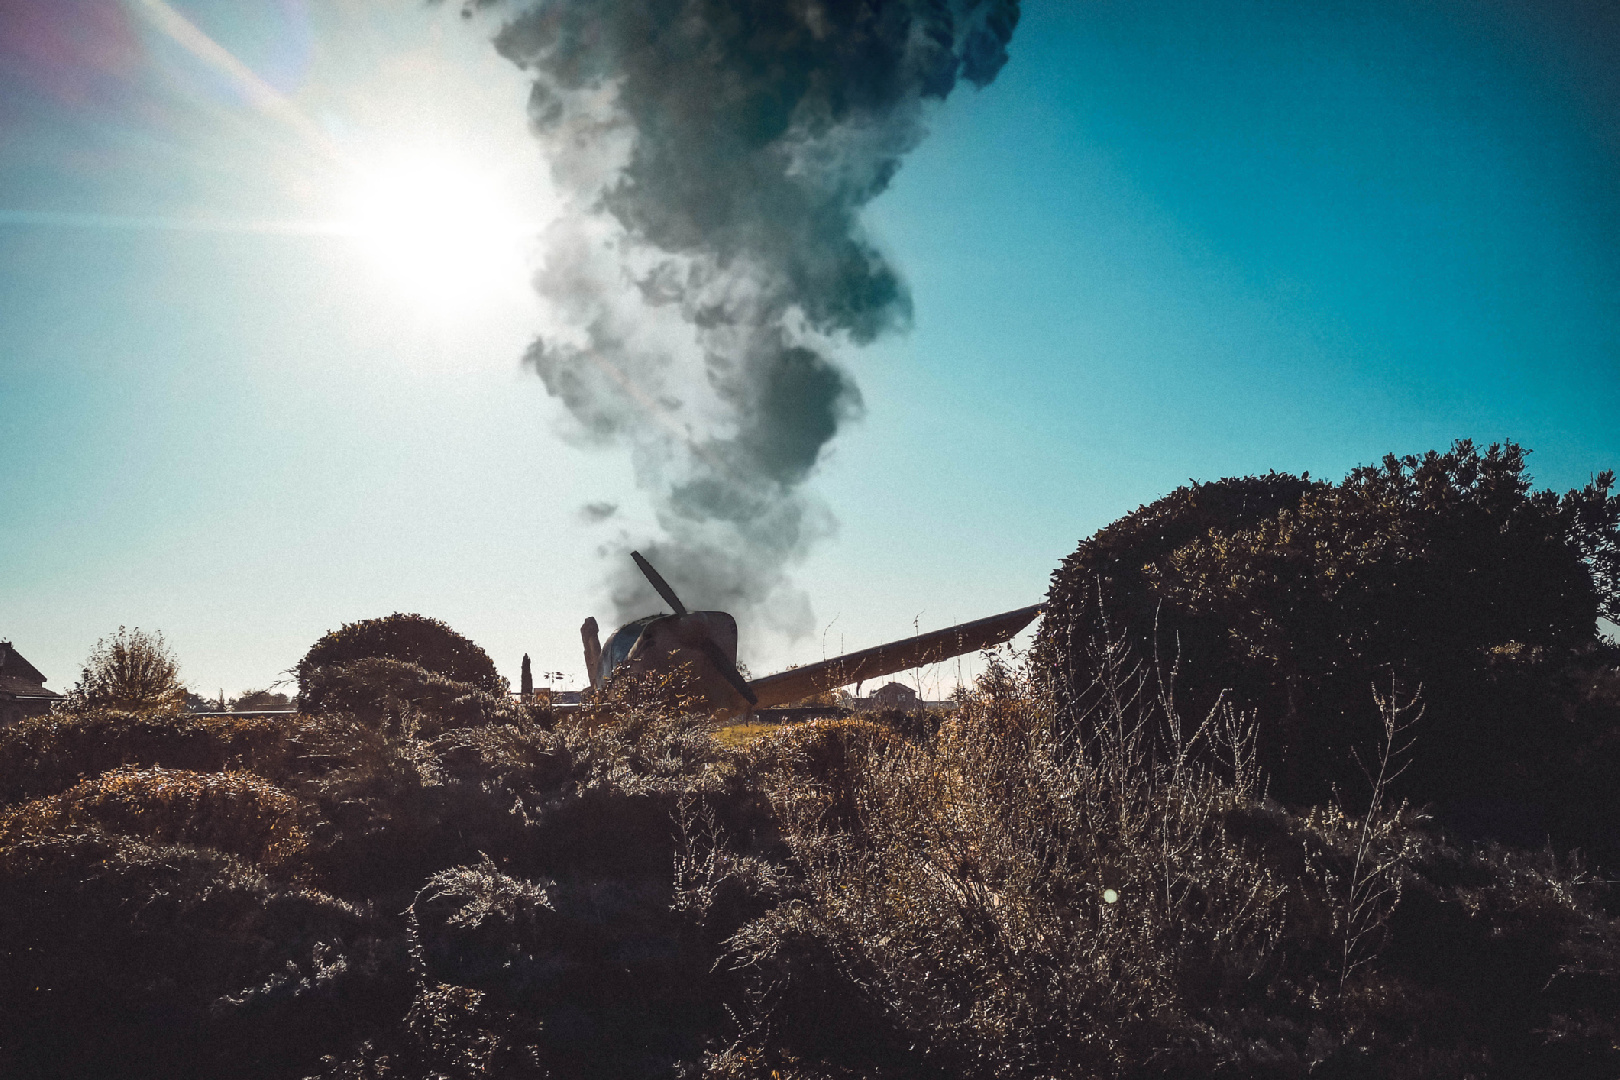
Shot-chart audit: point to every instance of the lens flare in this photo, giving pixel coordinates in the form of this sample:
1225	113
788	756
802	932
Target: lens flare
441	230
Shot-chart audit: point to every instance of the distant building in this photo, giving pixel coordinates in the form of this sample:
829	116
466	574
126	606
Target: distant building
22	688
894	696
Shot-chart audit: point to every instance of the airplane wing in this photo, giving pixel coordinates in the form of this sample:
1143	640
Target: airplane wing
801	682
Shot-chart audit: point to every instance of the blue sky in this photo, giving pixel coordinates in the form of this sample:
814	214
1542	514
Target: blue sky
1171	241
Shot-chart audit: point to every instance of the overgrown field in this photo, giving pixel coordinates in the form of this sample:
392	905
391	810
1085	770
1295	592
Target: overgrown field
1073	875
345	895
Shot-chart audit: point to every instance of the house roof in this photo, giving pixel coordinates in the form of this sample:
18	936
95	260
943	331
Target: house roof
17	675
895	688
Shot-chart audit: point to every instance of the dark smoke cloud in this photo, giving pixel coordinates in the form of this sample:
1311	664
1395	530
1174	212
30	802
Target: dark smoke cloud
715	156
593	513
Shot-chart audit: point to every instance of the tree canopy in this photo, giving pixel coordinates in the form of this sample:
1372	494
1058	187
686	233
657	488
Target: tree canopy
131	671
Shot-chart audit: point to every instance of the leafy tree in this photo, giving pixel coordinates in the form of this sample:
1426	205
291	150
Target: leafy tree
411	639
132	671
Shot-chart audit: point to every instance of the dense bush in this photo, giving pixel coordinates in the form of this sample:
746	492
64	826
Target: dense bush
234	812
411	639
1291	596
999	901
259	699
995	903
127	957
42	755
396	693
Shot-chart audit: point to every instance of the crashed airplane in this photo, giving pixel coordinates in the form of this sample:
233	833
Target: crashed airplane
707	642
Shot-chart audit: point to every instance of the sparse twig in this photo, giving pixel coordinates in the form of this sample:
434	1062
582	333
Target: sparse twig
1373	889
700	858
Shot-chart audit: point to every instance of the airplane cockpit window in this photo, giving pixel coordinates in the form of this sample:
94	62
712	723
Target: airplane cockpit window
618	647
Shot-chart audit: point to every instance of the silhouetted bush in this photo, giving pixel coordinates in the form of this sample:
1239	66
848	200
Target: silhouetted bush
447	1032
121	957
397	693
257	699
994	902
1290	596
411	639
1002	901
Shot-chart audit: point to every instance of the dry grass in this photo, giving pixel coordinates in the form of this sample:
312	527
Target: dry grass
1006	902
735	736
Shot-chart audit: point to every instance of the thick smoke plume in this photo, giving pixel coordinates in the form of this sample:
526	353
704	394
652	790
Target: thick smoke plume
715	156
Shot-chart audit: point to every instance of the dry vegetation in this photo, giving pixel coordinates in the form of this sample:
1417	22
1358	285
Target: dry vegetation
1005	896
419	878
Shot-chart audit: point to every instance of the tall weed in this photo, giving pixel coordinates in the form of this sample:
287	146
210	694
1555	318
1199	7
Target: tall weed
1008	899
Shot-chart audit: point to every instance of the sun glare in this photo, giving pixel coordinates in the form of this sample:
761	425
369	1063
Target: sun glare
443	232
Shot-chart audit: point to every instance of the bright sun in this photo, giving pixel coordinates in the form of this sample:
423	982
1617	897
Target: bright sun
443	232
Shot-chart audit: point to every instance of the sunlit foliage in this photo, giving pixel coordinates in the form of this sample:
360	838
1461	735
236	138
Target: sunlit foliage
133	671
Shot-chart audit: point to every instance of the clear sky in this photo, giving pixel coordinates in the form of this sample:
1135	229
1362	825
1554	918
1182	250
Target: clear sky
248	393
